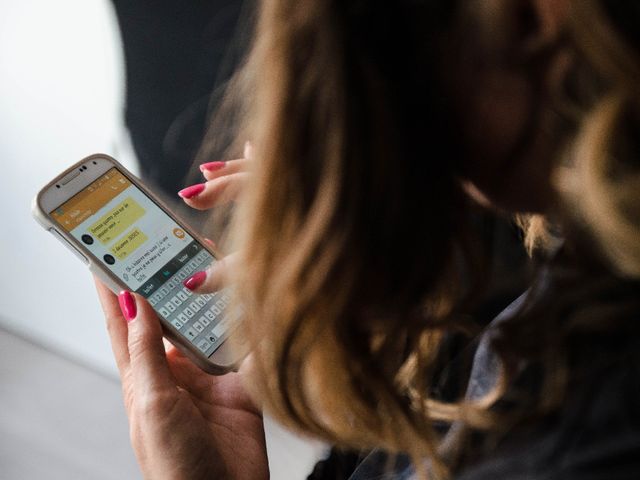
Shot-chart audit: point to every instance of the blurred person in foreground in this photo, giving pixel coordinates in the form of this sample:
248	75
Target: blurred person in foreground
376	128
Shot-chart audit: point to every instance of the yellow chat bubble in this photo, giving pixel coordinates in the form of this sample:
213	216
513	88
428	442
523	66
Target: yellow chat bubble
128	244
117	221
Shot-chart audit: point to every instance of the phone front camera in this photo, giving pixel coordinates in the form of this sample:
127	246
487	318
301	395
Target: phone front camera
88	239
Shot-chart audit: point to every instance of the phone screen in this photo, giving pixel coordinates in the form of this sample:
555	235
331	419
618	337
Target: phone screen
144	247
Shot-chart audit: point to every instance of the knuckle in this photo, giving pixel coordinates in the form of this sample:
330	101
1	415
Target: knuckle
127	394
138	343
213	281
151	402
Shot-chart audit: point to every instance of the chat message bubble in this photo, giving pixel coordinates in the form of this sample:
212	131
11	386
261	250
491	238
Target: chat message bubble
129	243
151	259
117	221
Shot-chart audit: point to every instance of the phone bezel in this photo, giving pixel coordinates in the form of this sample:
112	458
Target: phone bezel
63	187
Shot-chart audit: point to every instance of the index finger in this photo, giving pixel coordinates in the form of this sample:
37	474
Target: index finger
214	192
213	170
215	277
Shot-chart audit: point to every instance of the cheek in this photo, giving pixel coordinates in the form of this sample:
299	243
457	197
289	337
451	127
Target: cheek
497	112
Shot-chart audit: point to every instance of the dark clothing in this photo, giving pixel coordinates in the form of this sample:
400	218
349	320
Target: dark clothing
595	434
176	54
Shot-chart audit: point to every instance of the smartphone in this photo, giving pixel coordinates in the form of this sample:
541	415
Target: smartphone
131	241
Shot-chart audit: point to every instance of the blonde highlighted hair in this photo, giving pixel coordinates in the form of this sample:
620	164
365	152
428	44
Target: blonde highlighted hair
600	182
354	230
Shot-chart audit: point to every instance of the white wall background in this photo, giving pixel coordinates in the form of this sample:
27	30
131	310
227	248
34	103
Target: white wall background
61	98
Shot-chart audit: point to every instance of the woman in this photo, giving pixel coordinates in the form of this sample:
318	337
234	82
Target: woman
376	127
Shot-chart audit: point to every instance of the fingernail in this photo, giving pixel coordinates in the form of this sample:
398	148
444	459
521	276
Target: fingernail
127	305
195	280
212	166
210	242
191	191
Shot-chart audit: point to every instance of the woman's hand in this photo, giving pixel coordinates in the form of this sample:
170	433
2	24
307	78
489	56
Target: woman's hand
224	182
184	423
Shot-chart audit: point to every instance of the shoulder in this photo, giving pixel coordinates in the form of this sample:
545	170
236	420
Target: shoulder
595	435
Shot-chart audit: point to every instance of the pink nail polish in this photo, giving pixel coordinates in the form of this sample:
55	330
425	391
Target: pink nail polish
195	280
127	305
212	166
191	191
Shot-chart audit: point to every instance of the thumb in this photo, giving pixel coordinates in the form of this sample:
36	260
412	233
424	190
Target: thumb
147	358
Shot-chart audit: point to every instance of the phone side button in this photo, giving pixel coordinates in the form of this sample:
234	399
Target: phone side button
70	246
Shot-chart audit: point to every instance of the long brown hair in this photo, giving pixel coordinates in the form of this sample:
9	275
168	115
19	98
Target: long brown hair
353	231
